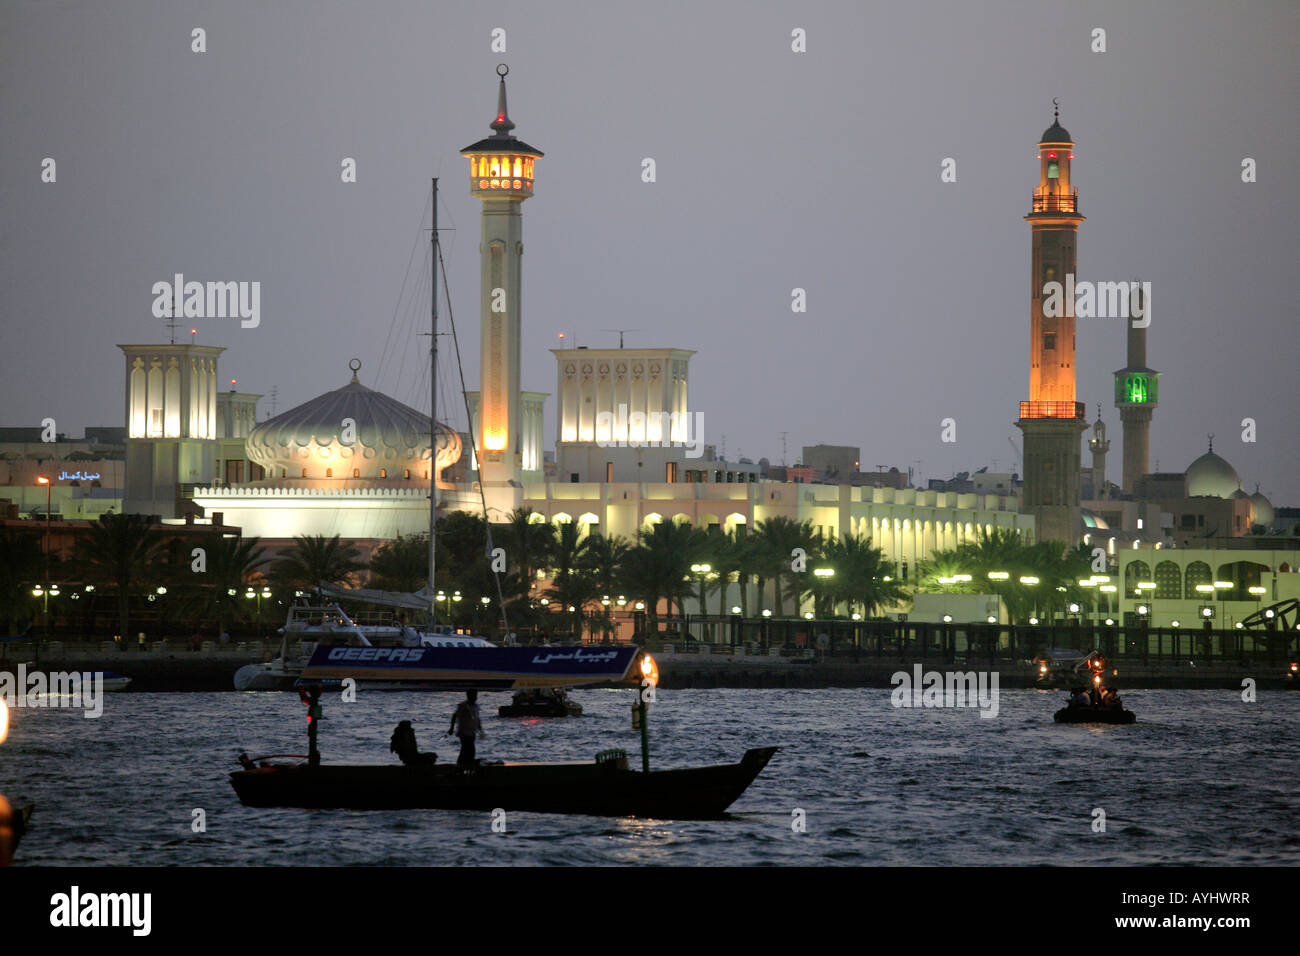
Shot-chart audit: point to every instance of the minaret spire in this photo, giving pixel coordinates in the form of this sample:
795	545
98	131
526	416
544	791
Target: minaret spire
502	123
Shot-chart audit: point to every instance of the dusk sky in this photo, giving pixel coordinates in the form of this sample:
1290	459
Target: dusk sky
775	170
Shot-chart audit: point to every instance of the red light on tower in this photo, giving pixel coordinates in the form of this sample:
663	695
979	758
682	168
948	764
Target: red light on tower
1051	156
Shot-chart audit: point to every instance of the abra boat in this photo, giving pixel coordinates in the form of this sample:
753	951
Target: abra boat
540	703
601	787
605	786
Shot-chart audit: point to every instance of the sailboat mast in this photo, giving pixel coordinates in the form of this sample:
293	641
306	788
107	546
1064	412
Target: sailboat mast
433	409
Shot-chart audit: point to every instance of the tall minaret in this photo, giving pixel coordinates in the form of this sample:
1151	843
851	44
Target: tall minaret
1136	391
1099	444
1052	420
501	175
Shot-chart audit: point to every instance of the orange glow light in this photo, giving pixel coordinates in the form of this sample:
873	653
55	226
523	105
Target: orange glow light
42	481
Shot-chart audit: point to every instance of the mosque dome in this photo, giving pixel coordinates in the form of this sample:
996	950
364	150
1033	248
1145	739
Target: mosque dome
1056	133
384	438
1212	476
1264	513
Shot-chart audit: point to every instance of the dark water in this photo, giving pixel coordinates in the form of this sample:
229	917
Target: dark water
1201	778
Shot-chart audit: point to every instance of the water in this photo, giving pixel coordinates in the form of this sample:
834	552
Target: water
1202	778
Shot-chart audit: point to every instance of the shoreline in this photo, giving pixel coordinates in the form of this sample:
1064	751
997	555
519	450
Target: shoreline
208	671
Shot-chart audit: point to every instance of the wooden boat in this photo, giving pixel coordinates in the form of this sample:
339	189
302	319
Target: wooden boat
602	787
1094	715
540	703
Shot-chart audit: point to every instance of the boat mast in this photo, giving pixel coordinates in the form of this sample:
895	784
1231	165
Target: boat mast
433	408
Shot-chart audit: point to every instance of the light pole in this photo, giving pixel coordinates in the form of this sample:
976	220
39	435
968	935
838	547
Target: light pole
701	571
45	605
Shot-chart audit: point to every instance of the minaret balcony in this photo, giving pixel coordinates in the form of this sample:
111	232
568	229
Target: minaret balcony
1051	200
1052	410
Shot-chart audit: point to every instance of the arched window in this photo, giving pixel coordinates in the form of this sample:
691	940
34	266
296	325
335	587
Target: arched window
383	472
406	473
1198	572
304	472
1169	581
1135	572
356	472
329	472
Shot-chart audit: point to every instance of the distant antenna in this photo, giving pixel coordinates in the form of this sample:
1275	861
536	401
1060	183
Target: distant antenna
171	320
783	434
724	447
274	394
620	334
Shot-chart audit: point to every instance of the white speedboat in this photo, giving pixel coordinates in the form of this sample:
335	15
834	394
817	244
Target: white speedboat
308	627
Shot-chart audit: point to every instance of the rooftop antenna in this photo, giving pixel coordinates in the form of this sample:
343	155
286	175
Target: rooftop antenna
783	434
171	319
275	392
620	334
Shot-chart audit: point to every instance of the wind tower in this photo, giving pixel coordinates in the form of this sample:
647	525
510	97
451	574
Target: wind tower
501	175
1136	393
1052	420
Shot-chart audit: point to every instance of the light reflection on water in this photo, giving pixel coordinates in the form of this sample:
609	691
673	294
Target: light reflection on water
1201	778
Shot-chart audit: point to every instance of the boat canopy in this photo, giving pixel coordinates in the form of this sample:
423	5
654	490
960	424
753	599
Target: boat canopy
402	599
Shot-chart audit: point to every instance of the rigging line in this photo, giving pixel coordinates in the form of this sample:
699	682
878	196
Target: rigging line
383	356
460	368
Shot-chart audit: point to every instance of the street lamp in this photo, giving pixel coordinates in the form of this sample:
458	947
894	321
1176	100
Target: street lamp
701	571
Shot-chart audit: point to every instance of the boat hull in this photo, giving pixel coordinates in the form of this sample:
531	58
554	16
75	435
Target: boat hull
1093	715
597	789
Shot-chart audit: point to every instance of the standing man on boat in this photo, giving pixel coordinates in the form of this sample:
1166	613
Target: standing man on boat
467	724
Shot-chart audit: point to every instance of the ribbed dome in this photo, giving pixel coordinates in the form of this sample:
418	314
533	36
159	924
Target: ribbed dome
1212	476
1264	513
386	436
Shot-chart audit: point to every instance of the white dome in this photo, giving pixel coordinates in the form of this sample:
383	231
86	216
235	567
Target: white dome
1264	513
387	438
1212	476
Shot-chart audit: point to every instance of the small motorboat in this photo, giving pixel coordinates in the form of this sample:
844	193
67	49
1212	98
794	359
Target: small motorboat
1093	714
540	702
114	681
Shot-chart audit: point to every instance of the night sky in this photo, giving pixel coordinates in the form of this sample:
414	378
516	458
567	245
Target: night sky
774	170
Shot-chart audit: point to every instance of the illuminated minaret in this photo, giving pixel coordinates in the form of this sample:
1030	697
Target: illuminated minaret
1052	420
1136	392
501	175
1099	444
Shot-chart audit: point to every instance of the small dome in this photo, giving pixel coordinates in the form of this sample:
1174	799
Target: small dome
1056	133
1212	476
385	437
1264	513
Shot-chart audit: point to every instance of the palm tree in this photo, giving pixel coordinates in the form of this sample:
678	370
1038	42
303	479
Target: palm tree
218	593
402	564
528	542
726	553
660	566
604	563
572	585
121	552
20	559
318	562
863	578
779	537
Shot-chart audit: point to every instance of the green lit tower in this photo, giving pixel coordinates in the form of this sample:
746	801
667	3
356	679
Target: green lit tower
1136	393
